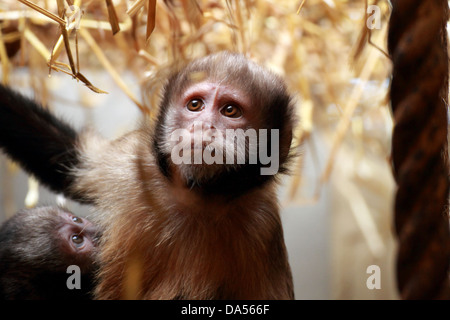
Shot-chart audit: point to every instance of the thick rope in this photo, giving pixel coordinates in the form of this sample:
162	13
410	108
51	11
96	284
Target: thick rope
417	44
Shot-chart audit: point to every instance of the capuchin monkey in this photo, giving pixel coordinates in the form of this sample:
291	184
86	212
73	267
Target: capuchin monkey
188	205
37	246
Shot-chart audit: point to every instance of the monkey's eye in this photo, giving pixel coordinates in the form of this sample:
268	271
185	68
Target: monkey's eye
77	219
78	240
231	111
195	105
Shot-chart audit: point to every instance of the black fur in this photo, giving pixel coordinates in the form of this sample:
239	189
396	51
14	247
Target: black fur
42	144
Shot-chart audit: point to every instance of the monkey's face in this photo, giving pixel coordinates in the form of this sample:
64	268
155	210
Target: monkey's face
201	128
224	122
78	238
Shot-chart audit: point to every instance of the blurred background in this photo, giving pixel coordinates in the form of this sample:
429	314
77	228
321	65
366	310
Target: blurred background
336	204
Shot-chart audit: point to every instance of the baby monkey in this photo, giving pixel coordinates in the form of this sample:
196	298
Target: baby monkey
36	248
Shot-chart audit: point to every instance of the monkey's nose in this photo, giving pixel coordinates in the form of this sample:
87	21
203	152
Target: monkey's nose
208	126
199	126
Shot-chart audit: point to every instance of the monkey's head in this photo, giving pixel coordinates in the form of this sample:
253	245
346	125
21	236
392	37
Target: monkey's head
225	124
48	238
36	248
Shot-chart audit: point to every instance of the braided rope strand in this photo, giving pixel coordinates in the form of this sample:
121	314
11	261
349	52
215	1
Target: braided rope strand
417	44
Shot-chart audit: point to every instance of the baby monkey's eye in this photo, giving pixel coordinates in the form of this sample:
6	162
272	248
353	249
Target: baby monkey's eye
77	219
195	105
78	240
231	111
